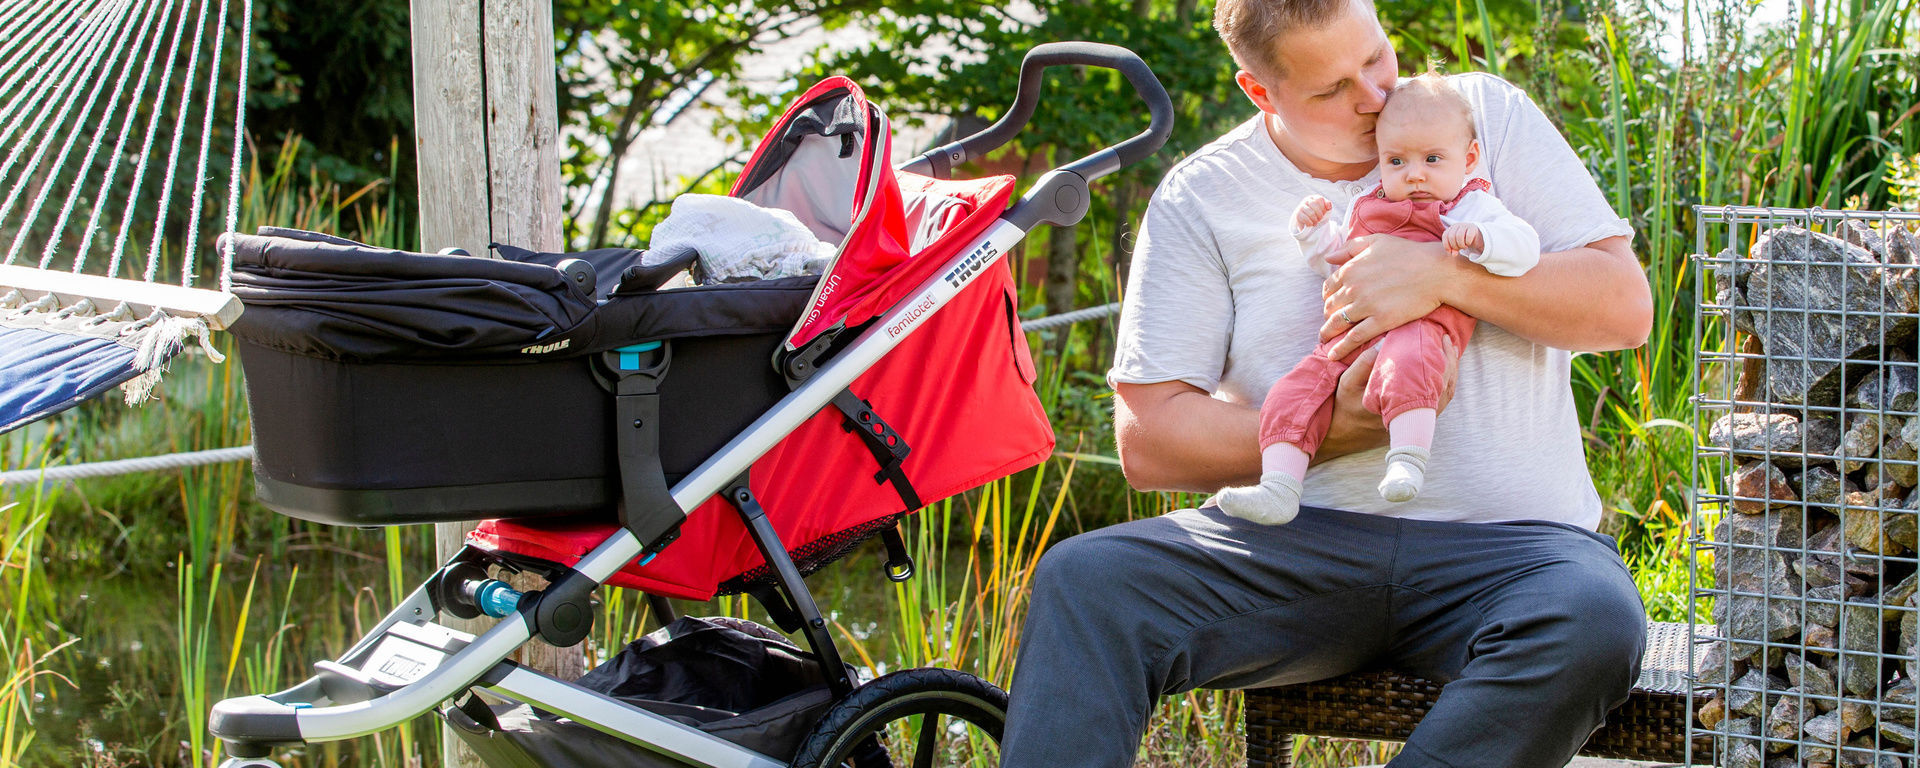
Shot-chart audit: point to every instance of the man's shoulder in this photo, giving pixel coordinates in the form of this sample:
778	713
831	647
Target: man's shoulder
1482	88
1230	156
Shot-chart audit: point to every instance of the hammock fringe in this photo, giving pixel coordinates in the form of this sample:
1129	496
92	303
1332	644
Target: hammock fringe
155	341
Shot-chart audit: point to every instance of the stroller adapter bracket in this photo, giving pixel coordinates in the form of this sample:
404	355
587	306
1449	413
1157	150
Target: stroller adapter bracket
647	508
800	364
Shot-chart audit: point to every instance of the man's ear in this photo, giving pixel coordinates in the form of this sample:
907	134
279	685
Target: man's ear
1473	154
1255	92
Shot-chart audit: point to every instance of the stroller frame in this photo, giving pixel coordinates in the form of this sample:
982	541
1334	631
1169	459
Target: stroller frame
409	664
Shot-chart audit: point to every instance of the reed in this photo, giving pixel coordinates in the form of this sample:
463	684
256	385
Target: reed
26	646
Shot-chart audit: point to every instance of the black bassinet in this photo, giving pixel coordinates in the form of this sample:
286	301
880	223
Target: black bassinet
390	387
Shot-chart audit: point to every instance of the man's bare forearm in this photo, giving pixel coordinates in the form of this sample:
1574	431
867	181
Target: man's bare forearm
1174	436
1590	299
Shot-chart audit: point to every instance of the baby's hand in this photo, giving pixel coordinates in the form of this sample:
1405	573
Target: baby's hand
1463	237
1311	211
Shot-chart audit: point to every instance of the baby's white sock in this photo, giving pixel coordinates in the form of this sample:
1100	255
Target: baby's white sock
1406	472
1275	501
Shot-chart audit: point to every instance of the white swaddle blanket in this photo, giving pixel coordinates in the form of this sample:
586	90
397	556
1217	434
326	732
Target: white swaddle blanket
738	240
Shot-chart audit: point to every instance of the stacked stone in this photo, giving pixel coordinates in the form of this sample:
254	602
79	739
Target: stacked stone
1814	559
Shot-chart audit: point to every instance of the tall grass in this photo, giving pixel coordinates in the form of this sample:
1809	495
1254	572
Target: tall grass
25	643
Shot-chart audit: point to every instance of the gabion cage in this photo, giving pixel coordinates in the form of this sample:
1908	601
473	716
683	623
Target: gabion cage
1805	478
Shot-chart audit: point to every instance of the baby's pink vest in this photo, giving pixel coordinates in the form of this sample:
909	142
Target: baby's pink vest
1414	220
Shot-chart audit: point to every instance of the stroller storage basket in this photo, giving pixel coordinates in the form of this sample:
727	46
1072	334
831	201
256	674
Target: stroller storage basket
727	677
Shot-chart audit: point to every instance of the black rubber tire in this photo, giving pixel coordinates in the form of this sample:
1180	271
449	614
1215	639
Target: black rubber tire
845	731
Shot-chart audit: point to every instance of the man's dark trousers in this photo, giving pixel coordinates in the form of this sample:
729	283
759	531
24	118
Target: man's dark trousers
1535	627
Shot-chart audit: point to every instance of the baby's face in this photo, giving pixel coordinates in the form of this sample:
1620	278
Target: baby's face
1425	154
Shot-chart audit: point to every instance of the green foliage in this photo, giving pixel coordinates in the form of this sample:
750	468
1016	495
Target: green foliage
339	72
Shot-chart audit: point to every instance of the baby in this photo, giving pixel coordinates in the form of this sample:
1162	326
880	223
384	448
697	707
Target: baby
1427	149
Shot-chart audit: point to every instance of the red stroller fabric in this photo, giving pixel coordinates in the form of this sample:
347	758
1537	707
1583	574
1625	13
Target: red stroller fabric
959	391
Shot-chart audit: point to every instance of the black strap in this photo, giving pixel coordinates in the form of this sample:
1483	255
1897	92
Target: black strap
646	503
899	565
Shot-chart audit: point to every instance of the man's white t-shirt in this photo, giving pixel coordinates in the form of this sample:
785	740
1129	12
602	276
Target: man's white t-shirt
1221	297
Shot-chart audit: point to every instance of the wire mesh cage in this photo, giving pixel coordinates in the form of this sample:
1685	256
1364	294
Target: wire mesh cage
1805	478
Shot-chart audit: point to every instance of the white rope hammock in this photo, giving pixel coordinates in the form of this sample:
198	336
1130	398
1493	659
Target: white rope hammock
112	116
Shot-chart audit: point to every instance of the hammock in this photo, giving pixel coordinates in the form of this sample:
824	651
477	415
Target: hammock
108	115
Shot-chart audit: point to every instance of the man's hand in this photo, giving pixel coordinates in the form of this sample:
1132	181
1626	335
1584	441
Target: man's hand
1382	283
1310	212
1463	238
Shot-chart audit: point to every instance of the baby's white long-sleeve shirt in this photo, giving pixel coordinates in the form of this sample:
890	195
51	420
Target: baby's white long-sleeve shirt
1512	245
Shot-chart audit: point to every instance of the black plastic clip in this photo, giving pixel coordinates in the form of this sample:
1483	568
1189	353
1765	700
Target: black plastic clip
888	448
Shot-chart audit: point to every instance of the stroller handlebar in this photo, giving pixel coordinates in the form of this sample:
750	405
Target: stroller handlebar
939	162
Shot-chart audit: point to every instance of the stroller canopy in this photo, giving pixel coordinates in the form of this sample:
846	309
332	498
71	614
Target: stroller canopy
827	161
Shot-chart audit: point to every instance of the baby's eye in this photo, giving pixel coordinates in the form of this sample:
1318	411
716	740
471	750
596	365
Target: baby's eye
1433	158
1393	161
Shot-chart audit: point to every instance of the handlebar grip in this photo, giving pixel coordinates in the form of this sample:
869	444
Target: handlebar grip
941	161
1127	63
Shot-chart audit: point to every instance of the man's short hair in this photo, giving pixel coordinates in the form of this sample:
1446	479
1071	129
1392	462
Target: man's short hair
1251	27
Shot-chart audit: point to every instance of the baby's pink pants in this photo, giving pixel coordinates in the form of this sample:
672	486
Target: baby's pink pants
1409	373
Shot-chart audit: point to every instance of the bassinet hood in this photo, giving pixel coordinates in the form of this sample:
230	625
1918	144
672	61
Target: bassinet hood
334	299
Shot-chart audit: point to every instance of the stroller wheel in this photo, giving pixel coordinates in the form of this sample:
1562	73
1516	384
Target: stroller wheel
917	717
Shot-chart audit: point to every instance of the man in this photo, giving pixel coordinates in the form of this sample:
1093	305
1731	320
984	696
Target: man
1492	581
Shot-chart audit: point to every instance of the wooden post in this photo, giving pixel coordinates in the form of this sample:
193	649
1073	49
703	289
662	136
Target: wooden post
486	135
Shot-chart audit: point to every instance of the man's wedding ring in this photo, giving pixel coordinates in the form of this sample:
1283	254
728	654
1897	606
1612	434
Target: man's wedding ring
1343	316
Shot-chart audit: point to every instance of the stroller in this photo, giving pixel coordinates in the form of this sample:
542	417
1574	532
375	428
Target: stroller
592	418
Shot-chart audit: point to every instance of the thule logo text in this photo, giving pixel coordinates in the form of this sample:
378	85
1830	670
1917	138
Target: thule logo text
541	349
976	261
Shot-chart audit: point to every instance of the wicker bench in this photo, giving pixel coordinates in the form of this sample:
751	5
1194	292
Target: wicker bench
1385	706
